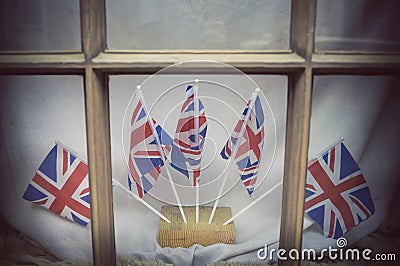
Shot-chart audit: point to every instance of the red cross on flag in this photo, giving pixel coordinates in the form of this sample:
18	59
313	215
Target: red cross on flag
61	185
246	143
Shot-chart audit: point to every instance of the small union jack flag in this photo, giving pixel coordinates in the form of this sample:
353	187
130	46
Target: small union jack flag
248	138
189	138
145	159
61	185
337	195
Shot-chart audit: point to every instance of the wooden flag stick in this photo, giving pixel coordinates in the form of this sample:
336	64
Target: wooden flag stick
154	131
253	203
136	197
234	151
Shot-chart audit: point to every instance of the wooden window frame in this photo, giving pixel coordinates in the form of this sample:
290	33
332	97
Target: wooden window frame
95	63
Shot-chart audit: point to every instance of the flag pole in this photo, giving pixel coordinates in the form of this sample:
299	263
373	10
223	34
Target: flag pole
196	126
138	90
234	151
254	202
136	197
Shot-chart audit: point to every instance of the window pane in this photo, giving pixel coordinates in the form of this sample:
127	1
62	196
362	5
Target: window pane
199	24
35	112
223	110
358	25
363	111
46	25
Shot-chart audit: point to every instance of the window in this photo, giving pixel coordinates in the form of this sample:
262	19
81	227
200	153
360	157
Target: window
363	25
197	25
293	56
39	26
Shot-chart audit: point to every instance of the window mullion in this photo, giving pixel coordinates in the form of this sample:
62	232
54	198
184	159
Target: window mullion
93	27
297	129
99	157
98	134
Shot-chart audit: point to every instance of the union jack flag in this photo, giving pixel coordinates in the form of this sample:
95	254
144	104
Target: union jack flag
248	136
61	185
337	195
145	159
189	137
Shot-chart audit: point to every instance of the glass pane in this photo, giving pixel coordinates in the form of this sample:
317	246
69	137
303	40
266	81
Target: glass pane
200	24
136	227
37	180
351	183
41	25
358	25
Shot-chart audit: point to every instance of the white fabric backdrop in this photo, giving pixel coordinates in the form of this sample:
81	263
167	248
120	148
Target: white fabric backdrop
36	111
